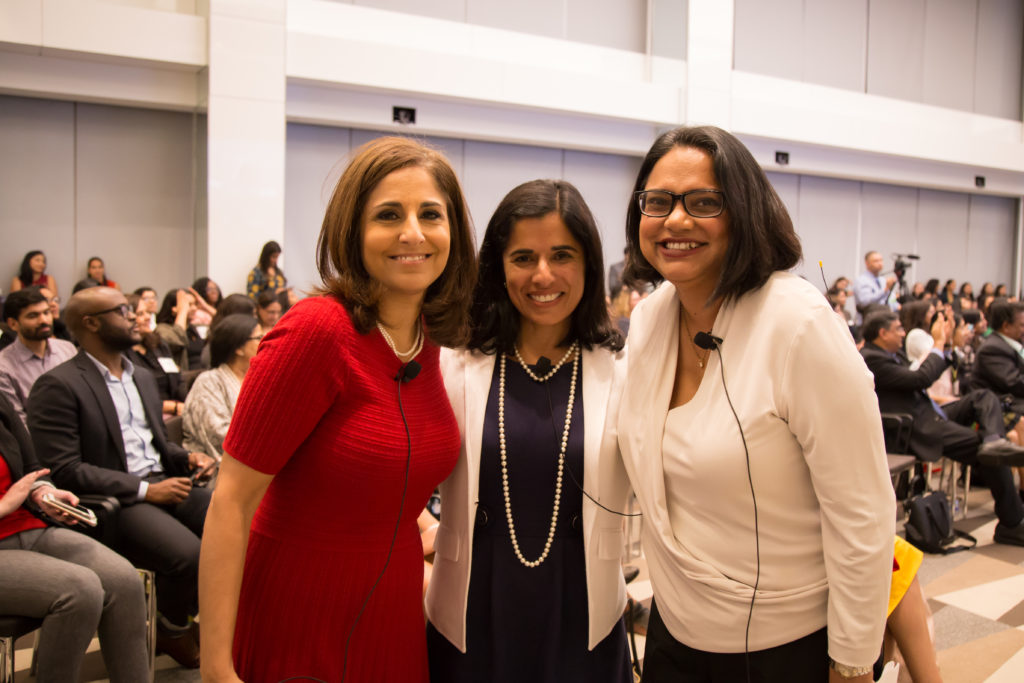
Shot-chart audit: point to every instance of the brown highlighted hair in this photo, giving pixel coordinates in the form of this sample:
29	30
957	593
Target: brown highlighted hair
761	235
339	247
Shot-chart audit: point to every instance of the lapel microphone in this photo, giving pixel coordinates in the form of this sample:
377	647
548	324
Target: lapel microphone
543	365
706	341
408	371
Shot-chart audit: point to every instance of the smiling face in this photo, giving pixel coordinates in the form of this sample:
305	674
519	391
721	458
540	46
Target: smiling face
686	251
96	271
37	263
405	231
544	272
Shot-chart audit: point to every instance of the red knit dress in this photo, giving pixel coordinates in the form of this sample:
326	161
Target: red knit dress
319	410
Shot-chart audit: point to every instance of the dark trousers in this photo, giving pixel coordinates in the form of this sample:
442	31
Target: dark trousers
166	539
666	660
960	442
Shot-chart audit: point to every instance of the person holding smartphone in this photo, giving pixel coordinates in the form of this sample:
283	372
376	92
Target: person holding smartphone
72	582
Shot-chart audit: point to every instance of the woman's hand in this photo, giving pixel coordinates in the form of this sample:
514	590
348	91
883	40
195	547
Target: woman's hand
202	303
19	491
51	511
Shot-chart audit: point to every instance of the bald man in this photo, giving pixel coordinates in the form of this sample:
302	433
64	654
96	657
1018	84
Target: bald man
96	422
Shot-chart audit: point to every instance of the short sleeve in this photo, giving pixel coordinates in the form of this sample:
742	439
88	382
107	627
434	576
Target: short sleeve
296	376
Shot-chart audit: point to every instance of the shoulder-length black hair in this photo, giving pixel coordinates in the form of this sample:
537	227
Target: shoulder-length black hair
228	336
761	235
270	249
340	245
166	313
496	321
105	282
200	286
25	271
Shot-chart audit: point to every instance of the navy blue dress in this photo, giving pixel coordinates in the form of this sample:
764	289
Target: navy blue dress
522	623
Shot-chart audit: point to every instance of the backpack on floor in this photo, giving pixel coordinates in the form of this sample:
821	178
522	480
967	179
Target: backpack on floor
929	525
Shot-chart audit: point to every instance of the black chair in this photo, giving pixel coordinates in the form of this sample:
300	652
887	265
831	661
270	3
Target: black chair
12	628
897	428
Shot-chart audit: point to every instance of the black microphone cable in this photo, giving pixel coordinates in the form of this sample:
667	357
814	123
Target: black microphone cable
708	341
405	373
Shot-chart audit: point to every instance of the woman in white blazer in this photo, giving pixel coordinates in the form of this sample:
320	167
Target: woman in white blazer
527	582
750	431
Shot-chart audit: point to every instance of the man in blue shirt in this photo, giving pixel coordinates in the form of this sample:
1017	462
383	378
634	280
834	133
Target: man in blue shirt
870	287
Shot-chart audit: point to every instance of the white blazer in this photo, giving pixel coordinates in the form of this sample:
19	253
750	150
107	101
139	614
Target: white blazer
467	377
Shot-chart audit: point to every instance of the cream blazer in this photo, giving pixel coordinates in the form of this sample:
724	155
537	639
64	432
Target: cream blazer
467	377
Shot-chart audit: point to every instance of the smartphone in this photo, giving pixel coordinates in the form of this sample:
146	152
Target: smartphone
84	515
204	474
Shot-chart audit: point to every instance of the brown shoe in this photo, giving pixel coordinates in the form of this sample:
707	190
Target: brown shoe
180	644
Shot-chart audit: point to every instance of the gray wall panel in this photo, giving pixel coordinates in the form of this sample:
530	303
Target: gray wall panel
835	43
620	24
315	156
606	183
829	214
134	195
949	53
37	181
888	224
997	83
990	234
941	234
669	28
492	169
539	17
769	37
896	49
452	10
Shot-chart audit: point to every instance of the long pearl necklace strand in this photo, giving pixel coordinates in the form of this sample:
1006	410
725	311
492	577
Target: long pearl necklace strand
403	355
551	373
561	454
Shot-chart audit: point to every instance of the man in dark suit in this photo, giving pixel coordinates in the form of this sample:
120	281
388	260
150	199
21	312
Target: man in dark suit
96	422
946	431
999	365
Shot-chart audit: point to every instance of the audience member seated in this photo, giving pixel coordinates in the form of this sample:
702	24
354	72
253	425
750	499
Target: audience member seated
60	330
268	309
266	275
966	296
98	272
948	294
1001	291
84	283
147	296
154	355
946	431
931	289
36	351
211	401
287	298
999	365
208	291
32	273
95	421
986	290
869	287
174	327
232	304
71	582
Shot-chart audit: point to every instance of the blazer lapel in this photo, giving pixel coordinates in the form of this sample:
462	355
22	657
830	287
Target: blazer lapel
479	369
94	380
598	373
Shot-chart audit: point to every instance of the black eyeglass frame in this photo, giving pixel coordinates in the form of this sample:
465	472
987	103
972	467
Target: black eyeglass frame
123	309
640	194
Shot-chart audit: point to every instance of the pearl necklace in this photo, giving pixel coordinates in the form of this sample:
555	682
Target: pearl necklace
561	456
560	363
403	355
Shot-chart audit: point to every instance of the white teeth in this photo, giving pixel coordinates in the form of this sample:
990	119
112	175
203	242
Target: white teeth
411	258
681	245
545	298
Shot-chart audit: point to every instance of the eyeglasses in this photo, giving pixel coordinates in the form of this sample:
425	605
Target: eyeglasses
123	309
697	203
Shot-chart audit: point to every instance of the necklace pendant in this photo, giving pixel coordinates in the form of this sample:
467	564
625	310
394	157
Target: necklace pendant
700	363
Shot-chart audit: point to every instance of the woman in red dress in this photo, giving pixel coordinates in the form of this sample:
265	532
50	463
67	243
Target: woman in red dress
312	564
32	273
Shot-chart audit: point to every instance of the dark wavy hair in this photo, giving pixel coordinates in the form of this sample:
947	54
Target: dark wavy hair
761	235
270	249
496	319
228	336
340	245
231	305
25	270
200	287
914	315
